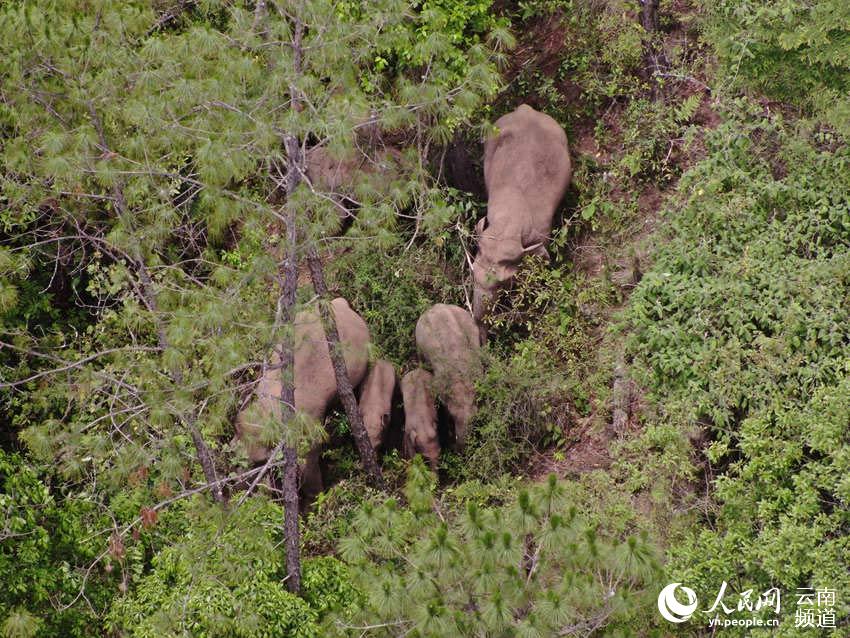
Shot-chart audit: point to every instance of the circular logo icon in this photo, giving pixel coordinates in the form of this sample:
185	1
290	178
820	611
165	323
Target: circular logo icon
671	609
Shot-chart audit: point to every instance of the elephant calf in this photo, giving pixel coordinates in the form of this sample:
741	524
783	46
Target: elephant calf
420	417
527	171
376	401
447	338
315	382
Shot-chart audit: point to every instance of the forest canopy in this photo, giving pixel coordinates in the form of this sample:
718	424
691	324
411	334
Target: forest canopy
664	389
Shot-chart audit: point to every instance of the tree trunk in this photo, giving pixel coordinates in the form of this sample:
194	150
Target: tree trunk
654	59
291	532
206	460
343	383
649	15
288	289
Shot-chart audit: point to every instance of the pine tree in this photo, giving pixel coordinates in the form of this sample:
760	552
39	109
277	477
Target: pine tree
155	161
530	568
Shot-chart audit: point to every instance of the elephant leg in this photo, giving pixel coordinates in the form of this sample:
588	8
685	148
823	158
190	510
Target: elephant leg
311	478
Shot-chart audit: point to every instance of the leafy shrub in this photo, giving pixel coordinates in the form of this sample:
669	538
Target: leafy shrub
742	329
551	306
783	507
225	578
602	55
793	51
331	516
391	288
46	547
453	31
327	586
529	568
540	373
524	403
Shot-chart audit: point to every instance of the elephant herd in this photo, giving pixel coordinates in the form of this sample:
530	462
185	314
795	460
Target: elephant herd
527	171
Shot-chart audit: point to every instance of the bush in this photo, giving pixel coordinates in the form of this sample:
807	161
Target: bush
541	369
332	515
524	404
391	288
793	51
742	329
46	547
225	577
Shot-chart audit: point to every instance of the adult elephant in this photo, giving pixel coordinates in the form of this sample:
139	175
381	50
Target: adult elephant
315	383
447	338
527	170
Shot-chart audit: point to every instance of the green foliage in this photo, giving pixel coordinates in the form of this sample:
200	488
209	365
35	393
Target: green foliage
328	587
541	369
649	127
149	170
493	492
140	145
452	32
224	577
526	402
46	546
602	55
391	288
630	129
529	568
554	307
742	329
796	52
331	517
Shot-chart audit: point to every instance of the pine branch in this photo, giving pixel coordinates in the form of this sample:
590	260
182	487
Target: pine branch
259	17
155	508
169	16
149	298
67	365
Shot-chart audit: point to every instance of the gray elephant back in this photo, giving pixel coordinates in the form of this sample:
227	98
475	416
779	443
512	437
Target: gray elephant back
376	400
529	156
420	416
527	170
448	339
315	383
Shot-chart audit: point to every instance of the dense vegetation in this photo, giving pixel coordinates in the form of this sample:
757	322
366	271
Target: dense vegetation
703	262
742	328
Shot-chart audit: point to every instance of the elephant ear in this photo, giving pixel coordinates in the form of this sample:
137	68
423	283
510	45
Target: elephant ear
536	249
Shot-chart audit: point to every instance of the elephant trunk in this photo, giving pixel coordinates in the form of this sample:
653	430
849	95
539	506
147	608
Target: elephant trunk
482	301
